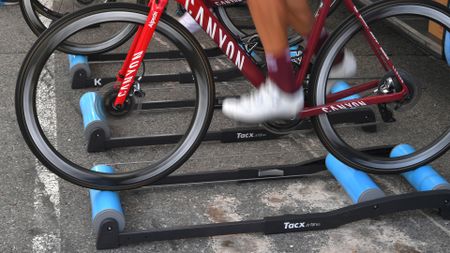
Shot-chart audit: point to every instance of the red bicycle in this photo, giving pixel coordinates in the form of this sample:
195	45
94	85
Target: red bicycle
388	88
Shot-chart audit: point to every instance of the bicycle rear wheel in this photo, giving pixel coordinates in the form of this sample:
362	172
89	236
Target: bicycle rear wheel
401	27
40	14
49	116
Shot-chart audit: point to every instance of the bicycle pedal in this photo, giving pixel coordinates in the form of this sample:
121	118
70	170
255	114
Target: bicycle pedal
386	113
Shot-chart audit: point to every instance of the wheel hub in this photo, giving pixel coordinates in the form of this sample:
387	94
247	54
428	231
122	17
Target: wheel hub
110	96
390	84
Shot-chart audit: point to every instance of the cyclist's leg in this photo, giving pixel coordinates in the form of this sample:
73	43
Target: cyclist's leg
278	97
300	16
302	19
271	23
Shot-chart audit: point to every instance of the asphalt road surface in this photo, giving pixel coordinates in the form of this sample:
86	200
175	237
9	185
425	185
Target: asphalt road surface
41	213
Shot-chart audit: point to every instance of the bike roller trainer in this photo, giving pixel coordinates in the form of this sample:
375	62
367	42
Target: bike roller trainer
369	201
99	135
81	76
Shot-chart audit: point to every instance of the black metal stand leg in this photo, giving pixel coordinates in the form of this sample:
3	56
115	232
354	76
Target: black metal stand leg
108	235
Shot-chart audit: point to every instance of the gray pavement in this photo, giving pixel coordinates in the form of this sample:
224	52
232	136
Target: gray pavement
41	213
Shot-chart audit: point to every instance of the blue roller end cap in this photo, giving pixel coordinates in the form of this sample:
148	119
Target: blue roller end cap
105	204
103	169
94	117
447	47
77	59
424	178
357	184
78	63
341	86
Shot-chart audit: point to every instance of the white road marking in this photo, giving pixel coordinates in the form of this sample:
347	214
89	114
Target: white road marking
46	192
46	243
47	215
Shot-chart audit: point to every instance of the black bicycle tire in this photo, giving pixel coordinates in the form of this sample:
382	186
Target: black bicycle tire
39	144
224	19
322	126
30	8
44	11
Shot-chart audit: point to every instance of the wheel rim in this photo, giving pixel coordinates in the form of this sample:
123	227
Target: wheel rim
32	8
339	147
74	172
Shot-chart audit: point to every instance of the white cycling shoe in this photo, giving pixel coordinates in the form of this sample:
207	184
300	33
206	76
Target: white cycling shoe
187	21
345	69
264	104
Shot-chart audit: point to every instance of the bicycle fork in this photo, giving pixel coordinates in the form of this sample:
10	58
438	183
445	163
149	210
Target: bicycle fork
135	56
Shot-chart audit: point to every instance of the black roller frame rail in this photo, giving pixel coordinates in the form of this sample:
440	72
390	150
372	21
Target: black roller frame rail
97	141
81	80
110	237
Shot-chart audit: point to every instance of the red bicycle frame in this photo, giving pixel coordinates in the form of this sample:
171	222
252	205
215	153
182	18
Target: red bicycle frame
199	10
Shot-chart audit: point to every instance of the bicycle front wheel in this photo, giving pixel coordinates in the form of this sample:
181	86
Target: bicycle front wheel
48	110
421	118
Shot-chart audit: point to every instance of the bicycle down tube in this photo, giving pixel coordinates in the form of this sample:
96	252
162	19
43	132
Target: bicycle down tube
199	10
137	51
